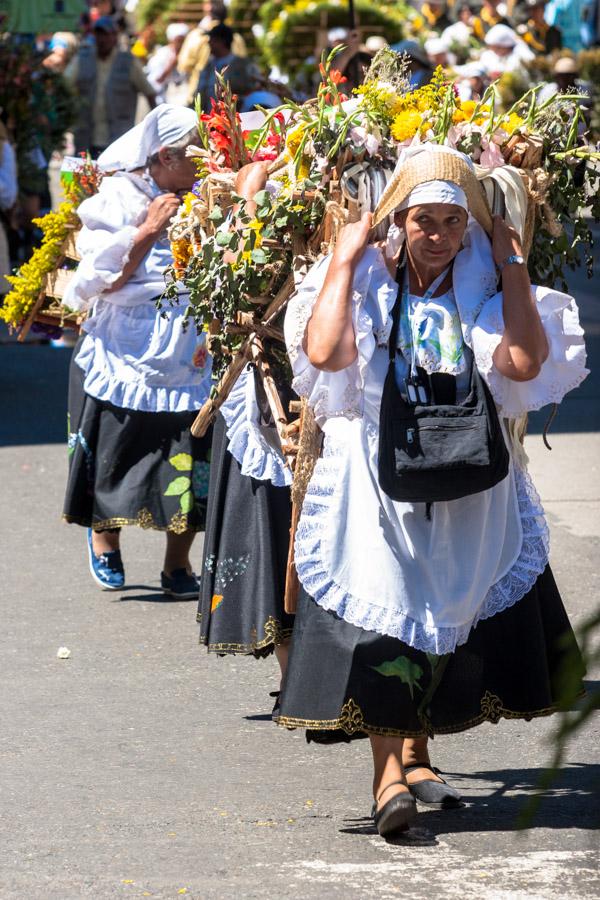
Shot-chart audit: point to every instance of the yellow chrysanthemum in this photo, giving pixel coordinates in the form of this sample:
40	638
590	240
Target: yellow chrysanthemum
468	107
405	125
511	123
294	138
182	252
188	202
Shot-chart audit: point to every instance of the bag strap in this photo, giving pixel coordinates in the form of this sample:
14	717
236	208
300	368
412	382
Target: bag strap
393	340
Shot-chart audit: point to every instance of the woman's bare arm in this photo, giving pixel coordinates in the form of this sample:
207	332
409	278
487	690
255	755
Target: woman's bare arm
524	347
329	341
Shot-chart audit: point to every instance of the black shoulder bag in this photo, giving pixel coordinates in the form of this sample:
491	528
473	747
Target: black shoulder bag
428	452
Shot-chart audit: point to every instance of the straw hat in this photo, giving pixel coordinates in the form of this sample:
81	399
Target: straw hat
435	166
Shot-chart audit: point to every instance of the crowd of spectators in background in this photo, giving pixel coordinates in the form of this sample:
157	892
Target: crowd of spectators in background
113	72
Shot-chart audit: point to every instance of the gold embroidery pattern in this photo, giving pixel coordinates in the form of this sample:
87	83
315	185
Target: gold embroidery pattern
490	704
340	724
144	519
491	707
274	633
351	717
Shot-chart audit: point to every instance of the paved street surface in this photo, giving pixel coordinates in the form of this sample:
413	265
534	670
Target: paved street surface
140	767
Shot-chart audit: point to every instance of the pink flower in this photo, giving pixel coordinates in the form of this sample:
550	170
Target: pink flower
200	356
362	138
491	155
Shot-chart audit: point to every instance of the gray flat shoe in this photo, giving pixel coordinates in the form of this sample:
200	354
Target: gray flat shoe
436	794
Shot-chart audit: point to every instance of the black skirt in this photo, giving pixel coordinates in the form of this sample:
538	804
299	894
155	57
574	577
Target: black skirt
343	682
133	468
245	556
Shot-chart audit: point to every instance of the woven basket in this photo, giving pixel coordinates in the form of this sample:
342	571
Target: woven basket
435	167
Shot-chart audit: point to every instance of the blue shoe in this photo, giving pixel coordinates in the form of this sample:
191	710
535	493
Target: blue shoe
180	585
107	569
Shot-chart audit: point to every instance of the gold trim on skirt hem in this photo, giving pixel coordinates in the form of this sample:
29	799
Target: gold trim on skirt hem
144	519
274	635
351	720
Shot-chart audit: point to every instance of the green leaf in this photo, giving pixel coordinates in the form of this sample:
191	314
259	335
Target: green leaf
182	462
178	486
433	660
263	198
223	238
408	672
259	255
281	222
217	215
186	502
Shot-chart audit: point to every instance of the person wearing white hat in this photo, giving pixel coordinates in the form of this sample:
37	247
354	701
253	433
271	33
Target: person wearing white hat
471	82
161	68
424	608
505	52
436	49
566	78
138	374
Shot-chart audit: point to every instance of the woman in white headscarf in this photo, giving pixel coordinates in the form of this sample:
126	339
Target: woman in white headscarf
161	68
414	618
138	373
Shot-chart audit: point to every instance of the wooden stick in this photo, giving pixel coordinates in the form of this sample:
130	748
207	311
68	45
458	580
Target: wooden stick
209	410
273	398
263	331
292	583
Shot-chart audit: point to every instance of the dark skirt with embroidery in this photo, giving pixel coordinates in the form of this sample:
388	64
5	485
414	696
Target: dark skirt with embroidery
343	682
133	468
245	555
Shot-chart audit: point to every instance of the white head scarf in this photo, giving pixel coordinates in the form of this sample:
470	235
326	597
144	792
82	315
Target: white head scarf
176	30
162	127
501	36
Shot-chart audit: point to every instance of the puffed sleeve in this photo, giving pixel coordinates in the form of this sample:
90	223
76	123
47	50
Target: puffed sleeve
563	370
110	221
255	447
373	294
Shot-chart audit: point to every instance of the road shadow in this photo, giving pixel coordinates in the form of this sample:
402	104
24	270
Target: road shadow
571	803
152	595
33	390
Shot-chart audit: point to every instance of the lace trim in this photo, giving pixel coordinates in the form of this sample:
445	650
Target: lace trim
141	398
257	458
511	588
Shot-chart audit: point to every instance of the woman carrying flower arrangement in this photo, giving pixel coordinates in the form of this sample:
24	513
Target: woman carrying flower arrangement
241	609
138	375
431	615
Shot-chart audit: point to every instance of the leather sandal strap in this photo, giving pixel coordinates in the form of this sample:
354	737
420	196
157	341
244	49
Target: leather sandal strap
391	784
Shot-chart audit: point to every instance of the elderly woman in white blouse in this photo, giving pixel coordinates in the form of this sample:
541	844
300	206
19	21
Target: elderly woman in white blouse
419	619
138	373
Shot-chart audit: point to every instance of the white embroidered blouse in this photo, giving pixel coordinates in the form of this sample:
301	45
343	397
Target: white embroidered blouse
133	355
380	564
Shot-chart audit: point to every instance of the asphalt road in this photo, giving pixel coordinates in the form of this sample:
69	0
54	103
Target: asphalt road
142	767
